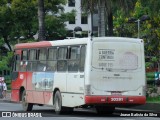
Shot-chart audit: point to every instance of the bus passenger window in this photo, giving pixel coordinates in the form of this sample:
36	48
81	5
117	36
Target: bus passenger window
62	53
32	54
82	58
24	55
32	60
51	66
16	63
52	60
42	54
62	65
62	59
24	59
52	54
41	63
73	62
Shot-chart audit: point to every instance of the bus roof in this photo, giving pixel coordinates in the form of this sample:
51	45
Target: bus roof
75	41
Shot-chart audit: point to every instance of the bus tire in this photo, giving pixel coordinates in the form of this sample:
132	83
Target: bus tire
58	102
105	110
59	109
26	106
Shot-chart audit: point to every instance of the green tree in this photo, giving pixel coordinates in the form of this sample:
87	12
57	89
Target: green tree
53	22
106	9
90	6
6	22
45	6
25	19
19	18
151	30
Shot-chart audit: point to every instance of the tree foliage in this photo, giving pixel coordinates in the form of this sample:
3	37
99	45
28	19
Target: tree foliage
19	19
6	22
149	28
108	7
25	18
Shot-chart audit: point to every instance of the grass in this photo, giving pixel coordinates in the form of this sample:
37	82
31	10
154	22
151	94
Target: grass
153	100
150	76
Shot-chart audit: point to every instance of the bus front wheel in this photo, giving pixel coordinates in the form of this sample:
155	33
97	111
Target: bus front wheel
26	106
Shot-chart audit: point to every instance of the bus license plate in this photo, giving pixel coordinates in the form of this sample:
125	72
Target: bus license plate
116	99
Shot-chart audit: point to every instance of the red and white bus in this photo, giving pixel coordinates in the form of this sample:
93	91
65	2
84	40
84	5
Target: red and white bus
103	72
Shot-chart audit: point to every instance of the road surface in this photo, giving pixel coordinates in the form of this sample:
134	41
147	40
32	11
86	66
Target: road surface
46	112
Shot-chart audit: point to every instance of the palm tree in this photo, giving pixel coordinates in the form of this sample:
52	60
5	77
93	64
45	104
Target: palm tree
41	16
90	6
101	13
126	5
105	11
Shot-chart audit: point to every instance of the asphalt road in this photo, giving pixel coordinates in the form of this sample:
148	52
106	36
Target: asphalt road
78	114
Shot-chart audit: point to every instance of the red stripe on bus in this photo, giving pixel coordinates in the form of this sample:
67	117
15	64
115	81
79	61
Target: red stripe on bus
33	45
115	99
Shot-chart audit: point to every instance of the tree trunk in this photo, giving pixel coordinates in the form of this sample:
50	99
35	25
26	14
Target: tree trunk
41	16
7	42
101	24
110	24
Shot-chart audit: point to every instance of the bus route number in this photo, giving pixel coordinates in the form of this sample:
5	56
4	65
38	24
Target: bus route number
116	99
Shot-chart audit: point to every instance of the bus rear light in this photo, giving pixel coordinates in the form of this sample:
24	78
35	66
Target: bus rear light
87	89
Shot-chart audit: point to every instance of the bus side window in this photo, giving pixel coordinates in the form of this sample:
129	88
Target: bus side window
24	60
82	58
15	67
16	63
41	63
32	63
62	59
73	62
52	59
24	55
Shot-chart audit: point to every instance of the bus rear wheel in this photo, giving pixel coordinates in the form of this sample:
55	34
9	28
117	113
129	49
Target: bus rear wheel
105	110
59	109
26	106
